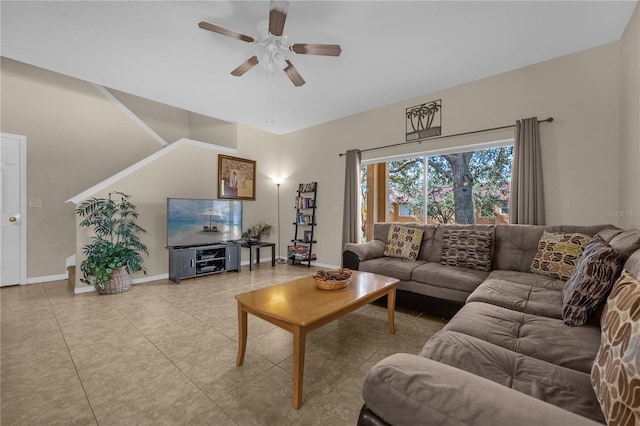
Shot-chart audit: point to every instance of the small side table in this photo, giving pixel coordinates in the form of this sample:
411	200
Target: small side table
256	247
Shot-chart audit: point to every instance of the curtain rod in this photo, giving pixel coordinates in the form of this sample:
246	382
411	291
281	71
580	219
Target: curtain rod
548	120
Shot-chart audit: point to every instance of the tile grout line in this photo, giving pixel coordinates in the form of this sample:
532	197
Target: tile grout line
75	367
178	368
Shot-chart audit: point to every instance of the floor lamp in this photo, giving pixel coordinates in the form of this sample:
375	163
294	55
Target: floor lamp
278	182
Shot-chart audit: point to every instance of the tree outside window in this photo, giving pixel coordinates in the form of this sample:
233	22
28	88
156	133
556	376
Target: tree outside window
466	187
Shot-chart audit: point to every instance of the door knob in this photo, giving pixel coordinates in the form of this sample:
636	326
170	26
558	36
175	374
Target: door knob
12	219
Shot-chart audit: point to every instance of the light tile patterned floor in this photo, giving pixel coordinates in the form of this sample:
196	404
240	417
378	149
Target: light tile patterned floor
164	354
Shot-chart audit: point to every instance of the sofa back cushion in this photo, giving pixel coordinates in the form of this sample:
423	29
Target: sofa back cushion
633	264
515	246
590	282
615	375
467	248
381	232
626	242
403	242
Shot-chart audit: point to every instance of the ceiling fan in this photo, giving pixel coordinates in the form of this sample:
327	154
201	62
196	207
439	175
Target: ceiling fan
274	39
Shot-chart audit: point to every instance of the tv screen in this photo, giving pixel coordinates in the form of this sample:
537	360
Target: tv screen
193	222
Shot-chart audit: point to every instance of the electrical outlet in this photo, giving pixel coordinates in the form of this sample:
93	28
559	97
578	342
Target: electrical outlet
35	202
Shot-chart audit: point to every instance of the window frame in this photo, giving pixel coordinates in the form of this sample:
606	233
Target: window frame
431	153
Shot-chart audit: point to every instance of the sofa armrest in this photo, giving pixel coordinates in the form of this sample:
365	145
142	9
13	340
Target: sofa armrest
405	389
368	250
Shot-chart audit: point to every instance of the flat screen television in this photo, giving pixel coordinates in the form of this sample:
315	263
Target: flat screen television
192	222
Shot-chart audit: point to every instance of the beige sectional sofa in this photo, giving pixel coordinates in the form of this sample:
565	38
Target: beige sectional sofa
506	357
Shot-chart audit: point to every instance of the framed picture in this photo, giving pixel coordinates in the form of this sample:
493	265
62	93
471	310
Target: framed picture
236	178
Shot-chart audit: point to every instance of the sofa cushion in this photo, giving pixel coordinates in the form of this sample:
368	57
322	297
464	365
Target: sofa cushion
590	282
519	297
438	275
405	389
626	242
551	383
558	253
548	339
467	248
390	266
616	371
515	246
607	234
404	242
529	279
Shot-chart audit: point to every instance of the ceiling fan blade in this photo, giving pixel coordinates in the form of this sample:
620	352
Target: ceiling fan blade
225	31
316	49
245	66
277	16
293	74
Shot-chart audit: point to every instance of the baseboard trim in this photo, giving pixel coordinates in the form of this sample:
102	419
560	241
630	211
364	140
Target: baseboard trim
150	278
83	289
89	289
47	278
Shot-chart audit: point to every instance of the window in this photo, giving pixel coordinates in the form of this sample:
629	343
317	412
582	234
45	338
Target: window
458	187
406	190
405	210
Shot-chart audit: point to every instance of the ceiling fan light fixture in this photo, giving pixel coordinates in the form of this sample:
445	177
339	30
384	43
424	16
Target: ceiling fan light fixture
273	39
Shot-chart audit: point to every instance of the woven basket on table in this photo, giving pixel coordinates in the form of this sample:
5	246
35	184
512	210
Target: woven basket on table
120	282
325	284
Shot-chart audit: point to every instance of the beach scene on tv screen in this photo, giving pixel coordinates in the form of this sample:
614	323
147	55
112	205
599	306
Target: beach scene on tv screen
194	222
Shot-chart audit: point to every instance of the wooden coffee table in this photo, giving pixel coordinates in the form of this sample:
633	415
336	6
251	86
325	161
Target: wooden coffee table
299	307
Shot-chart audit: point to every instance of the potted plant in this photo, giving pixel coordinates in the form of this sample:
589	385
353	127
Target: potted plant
115	251
256	233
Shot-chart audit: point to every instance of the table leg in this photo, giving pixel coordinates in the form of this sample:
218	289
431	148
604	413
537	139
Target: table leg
391	306
258	254
299	337
273	255
250	258
242	334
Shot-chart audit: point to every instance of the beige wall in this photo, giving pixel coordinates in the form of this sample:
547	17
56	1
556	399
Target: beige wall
629	205
75	139
172	123
580	149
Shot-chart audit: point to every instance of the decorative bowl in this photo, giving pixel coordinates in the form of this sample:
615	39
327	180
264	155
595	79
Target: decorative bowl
333	279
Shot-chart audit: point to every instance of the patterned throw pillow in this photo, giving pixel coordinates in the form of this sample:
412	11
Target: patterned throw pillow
404	242
590	282
615	375
558	254
467	248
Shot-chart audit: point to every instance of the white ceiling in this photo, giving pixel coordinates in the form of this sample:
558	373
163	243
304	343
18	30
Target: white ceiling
391	50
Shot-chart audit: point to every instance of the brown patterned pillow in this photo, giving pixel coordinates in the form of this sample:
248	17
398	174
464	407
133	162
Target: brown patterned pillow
404	242
590	282
615	375
467	248
558	254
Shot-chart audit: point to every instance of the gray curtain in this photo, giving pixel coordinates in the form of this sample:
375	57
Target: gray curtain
526	204
351	220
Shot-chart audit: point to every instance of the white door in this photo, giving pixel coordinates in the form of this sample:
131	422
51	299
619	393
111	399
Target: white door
12	214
